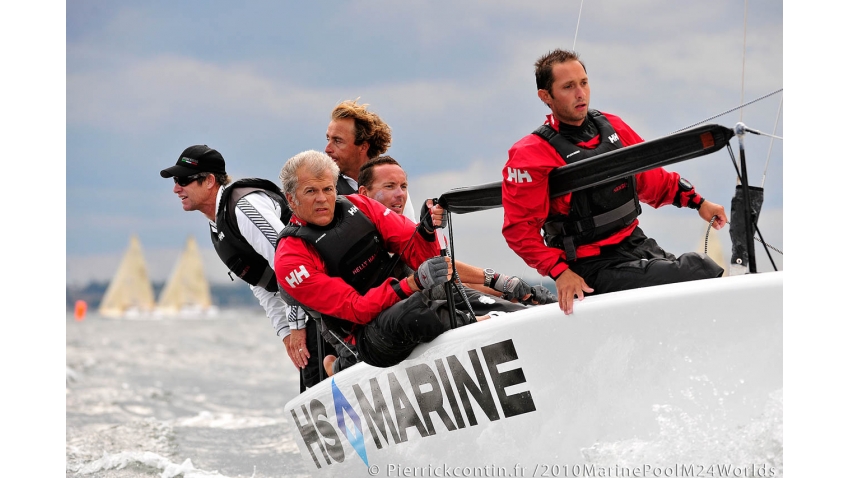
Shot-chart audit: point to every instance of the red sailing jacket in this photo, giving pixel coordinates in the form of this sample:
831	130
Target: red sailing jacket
333	296
527	205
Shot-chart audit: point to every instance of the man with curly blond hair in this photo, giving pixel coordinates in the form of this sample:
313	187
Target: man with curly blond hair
356	135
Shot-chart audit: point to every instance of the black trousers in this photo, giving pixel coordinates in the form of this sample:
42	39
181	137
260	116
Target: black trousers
482	304
390	337
346	355
638	261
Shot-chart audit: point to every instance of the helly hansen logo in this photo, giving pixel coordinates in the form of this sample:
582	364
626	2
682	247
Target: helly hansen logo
517	176
297	276
352	210
613	138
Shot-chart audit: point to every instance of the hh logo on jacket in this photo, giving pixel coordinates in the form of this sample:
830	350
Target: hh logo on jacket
297	276
518	176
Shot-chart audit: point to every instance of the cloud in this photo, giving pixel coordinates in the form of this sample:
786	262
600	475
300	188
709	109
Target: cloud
165	91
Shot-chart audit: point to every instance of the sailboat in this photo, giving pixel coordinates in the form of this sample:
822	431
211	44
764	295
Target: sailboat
130	293
187	292
633	383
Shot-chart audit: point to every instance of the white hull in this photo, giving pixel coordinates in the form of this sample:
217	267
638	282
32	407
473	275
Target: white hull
628	371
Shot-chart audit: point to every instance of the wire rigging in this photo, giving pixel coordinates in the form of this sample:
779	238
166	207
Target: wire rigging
772	137
744	59
729	111
577	23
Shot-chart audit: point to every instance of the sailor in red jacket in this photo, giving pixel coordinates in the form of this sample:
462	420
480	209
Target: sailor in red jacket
591	242
334	259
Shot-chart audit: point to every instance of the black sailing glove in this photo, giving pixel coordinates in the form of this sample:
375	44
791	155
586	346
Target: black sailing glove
541	295
512	287
425	217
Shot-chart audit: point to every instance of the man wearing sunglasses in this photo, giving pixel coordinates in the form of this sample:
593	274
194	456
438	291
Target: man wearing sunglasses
246	217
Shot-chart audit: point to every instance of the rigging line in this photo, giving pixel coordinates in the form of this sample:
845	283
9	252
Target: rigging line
768	245
710	223
770	147
729	111
744	59
734	161
760	133
761	239
577	23
456	283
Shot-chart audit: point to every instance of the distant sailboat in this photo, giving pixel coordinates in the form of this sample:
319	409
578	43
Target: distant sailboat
187	292
130	292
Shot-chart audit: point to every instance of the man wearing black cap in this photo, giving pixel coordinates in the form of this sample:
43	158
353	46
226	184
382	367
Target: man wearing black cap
246	217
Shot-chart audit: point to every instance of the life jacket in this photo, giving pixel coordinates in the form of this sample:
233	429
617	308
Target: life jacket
351	249
595	212
233	249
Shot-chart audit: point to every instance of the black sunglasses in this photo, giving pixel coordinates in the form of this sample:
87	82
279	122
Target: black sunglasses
184	181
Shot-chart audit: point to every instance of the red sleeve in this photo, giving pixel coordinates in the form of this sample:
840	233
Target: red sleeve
656	187
398	231
525	199
301	271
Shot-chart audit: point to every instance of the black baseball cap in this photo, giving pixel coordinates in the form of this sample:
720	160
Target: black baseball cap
196	159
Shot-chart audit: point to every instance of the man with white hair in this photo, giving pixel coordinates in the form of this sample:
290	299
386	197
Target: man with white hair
334	259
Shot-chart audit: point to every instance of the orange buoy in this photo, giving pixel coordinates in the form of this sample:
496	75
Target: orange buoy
80	310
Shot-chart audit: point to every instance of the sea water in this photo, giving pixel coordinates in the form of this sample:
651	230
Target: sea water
205	397
179	397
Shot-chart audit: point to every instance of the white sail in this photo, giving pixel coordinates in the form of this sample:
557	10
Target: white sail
187	291
130	292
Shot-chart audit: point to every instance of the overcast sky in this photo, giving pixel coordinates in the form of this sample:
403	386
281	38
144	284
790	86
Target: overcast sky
454	80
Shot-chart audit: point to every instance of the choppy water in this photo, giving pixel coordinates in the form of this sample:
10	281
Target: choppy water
179	397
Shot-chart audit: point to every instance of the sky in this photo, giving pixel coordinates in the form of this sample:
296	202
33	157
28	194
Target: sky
454	80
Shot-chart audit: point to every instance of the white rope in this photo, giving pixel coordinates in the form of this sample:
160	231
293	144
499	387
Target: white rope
770	147
744	59
743	68
577	23
755	131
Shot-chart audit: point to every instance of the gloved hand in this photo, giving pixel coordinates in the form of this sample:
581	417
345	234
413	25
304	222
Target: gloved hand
540	295
513	288
429	211
433	272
